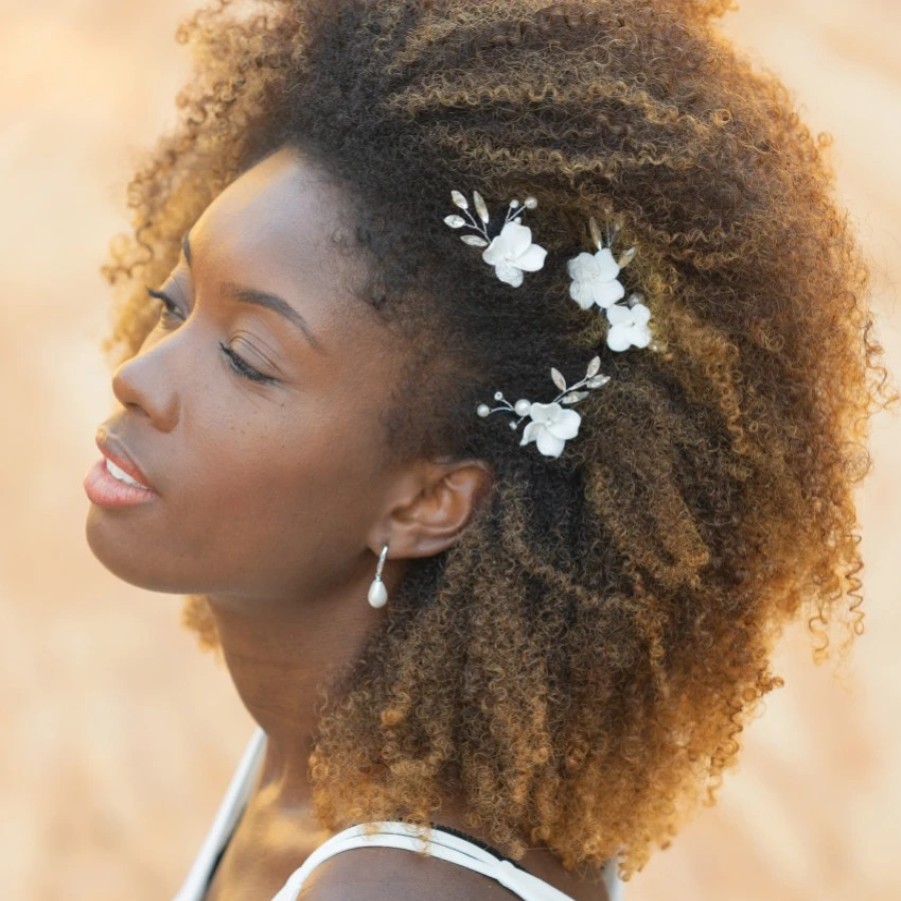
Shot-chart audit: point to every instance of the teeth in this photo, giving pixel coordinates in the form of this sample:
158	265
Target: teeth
117	473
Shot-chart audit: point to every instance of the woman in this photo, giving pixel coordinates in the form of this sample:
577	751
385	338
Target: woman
496	535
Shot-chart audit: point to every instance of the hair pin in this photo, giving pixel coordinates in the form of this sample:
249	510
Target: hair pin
595	281
552	425
511	252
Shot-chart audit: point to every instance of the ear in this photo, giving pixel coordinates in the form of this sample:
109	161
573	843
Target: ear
432	505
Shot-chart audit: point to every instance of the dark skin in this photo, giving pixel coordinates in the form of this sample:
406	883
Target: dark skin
275	497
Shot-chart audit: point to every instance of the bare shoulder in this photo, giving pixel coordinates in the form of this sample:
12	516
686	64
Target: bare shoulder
388	874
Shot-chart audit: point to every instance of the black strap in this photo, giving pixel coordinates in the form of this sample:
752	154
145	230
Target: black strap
479	842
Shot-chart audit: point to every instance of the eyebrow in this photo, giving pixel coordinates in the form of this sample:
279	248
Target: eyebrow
261	299
272	302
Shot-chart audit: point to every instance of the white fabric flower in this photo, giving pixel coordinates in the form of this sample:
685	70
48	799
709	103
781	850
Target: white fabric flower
512	253
628	327
595	280
551	427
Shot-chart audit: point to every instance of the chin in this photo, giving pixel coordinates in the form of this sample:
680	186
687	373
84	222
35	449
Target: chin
132	561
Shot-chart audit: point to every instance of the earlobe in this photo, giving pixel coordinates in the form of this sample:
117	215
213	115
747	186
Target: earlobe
431	521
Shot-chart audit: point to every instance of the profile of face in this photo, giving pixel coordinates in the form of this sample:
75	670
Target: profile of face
254	406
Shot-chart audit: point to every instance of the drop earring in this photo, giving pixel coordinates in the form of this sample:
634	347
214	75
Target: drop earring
378	594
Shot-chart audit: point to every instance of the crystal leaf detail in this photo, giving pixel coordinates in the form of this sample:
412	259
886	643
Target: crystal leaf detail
559	381
595	233
455	221
459	200
594	367
626	257
575	397
598	381
481	209
474	240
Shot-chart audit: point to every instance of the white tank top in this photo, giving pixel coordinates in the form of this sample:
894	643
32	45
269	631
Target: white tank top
441	844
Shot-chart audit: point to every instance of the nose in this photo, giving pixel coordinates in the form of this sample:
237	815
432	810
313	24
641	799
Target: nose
146	384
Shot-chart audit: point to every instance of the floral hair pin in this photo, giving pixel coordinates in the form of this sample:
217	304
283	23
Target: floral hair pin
511	252
551	426
595	282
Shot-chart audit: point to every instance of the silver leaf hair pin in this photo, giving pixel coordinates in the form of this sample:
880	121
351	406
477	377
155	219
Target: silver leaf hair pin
552	425
594	282
511	252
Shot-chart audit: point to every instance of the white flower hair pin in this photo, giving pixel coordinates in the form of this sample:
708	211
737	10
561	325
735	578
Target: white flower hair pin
552	425
595	282
511	252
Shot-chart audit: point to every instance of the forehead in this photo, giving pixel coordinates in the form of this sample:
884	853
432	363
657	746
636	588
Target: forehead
278	228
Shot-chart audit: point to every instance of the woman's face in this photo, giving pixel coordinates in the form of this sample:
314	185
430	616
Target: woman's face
253	407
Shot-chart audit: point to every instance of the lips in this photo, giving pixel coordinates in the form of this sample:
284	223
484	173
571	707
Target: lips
116	481
118	458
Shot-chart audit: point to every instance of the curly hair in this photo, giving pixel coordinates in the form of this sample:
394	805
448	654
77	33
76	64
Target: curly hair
580	664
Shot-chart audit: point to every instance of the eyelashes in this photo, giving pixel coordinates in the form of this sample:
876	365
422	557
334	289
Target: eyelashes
242	367
170	307
170	314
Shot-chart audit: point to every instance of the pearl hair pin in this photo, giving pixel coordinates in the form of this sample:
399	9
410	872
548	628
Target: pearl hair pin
594	282
511	252
551	426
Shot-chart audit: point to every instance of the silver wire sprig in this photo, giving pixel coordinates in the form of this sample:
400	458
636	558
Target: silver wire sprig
569	394
483	239
573	394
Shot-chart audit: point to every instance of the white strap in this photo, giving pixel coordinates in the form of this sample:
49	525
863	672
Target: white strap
612	882
387	834
227	816
440	844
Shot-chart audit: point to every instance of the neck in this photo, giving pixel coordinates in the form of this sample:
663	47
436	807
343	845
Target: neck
280	657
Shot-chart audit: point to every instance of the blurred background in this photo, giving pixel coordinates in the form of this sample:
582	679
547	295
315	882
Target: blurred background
120	736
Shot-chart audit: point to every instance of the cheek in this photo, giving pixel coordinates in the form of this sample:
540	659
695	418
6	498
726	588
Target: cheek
258	499
285	500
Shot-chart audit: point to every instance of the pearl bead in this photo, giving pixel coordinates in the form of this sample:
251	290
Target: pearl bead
378	594
522	408
483	410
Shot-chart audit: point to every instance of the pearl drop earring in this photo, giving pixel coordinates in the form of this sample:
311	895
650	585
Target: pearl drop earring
378	594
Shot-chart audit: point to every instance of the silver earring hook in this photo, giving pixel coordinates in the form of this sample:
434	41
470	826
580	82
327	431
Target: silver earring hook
381	564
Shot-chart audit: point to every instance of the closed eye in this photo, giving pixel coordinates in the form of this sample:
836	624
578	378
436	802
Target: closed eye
171	314
242	367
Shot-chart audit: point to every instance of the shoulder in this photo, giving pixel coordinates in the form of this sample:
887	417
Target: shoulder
388	874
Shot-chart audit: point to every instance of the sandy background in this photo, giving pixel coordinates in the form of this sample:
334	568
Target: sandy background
119	737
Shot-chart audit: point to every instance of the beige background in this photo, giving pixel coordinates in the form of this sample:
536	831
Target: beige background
119	737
